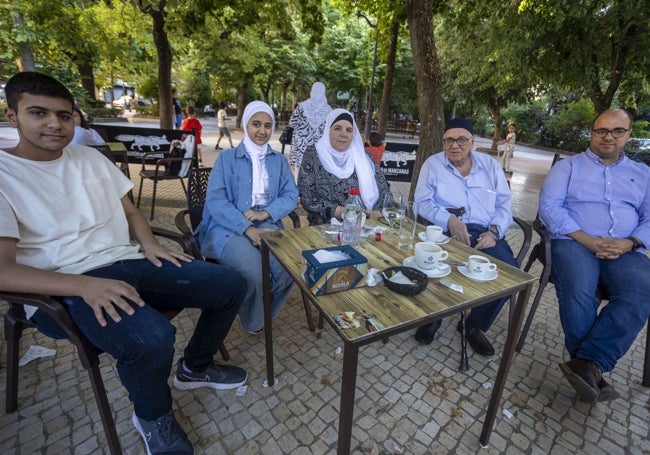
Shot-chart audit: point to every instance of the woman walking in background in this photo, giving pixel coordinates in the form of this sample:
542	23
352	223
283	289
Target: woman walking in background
307	122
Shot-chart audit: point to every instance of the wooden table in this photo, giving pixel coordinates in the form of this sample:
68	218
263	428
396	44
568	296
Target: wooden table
397	313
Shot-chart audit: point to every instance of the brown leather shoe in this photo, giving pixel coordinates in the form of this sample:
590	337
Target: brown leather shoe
607	391
584	376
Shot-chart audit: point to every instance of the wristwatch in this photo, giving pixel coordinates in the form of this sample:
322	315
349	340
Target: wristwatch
636	243
494	231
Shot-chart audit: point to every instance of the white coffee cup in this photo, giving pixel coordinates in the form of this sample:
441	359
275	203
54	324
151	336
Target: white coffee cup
427	255
434	233
479	265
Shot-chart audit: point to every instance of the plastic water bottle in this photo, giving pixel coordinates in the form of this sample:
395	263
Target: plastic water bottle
353	219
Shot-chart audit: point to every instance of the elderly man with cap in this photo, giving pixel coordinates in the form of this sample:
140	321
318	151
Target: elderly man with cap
467	194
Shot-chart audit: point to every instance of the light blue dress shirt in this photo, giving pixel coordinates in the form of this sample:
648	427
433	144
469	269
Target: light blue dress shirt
484	192
583	193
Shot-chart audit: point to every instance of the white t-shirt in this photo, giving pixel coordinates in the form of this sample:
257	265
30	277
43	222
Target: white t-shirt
222	118
83	136
66	214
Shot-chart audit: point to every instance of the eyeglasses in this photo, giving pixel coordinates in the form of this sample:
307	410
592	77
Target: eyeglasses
616	132
462	141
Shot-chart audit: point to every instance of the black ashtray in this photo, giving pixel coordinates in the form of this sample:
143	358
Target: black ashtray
419	280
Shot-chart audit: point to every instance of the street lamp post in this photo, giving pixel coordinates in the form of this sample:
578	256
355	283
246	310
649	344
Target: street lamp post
366	130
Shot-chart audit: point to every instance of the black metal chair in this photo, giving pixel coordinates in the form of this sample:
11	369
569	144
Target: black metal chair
197	185
161	171
15	322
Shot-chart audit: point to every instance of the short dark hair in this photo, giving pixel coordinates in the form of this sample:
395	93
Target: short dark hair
84	122
35	84
190	109
222	105
375	139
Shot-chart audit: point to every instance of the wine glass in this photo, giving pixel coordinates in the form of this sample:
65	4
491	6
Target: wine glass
393	208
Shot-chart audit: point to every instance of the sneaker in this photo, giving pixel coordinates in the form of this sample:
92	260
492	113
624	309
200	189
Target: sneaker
163	435
216	376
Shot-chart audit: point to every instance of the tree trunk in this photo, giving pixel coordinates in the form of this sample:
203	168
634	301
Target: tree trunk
161	41
87	78
25	61
384	105
242	100
496	116
428	77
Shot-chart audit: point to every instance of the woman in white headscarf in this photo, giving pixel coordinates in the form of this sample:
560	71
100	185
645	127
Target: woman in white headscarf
335	164
250	190
307	121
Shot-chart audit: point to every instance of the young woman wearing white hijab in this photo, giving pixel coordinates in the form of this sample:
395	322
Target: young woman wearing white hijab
307	121
335	164
250	190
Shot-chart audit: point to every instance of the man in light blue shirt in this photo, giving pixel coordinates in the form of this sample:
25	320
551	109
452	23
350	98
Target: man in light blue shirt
596	206
467	194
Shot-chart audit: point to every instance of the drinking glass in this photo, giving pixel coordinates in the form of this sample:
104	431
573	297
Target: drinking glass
407	227
393	208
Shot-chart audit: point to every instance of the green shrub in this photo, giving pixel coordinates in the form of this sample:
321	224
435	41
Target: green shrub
529	119
568	128
641	128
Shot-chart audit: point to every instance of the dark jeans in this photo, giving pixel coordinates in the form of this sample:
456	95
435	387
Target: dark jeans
603	337
484	315
143	344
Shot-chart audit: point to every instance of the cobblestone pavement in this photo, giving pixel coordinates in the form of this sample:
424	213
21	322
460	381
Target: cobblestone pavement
410	399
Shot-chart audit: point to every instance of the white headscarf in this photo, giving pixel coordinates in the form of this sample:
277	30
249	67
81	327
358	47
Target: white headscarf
315	107
354	159
258	152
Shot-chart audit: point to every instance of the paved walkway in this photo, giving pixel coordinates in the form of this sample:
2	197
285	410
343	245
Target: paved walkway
410	399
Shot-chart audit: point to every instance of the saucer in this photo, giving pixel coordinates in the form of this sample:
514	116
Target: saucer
487	276
423	236
431	273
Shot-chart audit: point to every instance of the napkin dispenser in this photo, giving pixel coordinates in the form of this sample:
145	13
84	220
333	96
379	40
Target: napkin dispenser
339	275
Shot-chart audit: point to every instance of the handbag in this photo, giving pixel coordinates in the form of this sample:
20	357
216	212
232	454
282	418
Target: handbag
286	136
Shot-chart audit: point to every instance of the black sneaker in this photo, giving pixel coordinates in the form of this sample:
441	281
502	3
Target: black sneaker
216	376
163	435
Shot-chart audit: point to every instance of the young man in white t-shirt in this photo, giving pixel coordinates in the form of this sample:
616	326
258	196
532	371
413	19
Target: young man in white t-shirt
66	226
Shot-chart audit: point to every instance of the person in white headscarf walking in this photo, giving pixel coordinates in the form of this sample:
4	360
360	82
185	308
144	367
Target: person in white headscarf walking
335	164
250	190
307	121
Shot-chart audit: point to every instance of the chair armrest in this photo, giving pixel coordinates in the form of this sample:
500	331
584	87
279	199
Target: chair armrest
185	242
295	219
528	237
47	304
316	216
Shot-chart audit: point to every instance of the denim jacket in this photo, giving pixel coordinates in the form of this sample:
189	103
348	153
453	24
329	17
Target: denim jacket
229	194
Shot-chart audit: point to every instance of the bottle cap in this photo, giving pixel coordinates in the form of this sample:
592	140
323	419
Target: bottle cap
354	192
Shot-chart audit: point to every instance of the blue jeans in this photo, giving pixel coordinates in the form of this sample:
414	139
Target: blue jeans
603	337
484	315
240	254
143	344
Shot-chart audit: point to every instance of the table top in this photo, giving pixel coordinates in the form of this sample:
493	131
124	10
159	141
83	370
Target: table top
394	311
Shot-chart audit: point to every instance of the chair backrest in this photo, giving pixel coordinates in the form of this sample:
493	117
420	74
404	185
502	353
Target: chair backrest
189	145
197	186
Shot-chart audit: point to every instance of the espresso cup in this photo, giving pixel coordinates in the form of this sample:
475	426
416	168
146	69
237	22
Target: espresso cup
434	233
427	255
479	265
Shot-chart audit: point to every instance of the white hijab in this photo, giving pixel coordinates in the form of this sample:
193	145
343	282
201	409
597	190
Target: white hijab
258	152
354	159
315	107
